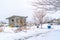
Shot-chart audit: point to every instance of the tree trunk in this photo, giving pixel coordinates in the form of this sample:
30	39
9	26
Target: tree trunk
41	26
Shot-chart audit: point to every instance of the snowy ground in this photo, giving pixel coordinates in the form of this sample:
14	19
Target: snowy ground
32	34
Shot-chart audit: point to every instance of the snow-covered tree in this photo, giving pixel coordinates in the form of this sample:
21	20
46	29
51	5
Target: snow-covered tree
39	17
45	5
48	5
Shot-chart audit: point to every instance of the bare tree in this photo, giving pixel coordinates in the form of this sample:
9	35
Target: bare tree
45	5
39	17
49	5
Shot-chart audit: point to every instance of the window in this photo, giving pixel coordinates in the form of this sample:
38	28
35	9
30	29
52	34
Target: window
12	20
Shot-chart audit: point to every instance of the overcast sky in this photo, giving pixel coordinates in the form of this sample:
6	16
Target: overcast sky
15	7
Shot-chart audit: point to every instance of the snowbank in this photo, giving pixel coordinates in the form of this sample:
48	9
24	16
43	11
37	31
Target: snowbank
31	34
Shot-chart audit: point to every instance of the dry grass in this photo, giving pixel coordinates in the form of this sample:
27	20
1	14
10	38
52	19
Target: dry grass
1	30
21	28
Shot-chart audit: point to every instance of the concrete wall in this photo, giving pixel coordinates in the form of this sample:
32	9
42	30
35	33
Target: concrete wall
17	21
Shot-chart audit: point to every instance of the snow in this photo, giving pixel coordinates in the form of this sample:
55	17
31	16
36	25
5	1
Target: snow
54	35
9	29
32	34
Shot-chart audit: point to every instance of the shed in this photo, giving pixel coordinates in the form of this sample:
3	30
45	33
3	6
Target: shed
17	20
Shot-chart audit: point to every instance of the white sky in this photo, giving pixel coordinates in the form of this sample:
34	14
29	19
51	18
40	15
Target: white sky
16	7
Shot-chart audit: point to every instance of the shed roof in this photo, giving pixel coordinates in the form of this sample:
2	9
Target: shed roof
16	16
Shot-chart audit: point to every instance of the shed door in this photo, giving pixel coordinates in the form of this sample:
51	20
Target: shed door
21	22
